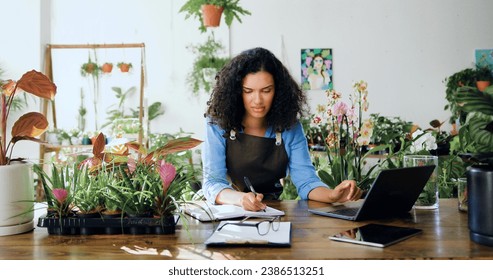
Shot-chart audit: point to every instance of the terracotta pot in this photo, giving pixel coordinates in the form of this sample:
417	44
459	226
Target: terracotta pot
124	67
16	199
212	15
482	85
107	68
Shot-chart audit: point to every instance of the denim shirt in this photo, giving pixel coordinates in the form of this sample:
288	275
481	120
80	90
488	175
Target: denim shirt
300	168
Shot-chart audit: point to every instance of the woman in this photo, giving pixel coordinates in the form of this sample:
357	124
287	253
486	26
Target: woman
319	78
253	132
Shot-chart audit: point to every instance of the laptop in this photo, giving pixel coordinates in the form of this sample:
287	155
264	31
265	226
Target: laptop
392	194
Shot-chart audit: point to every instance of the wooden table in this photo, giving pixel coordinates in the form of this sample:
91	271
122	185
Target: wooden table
445	236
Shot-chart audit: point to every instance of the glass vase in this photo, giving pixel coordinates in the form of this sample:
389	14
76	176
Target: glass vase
428	198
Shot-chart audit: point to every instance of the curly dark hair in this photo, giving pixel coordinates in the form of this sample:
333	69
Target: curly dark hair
225	106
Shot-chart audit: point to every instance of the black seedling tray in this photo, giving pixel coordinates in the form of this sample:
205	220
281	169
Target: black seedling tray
114	225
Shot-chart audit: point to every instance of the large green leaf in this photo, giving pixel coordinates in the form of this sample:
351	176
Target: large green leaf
470	99
480	124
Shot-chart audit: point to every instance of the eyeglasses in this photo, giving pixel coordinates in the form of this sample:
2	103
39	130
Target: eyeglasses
263	226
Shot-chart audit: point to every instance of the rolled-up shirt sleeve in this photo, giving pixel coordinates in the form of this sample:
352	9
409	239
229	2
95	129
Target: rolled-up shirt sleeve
300	167
214	162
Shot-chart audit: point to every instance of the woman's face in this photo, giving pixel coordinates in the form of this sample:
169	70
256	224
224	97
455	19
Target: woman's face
258	94
318	62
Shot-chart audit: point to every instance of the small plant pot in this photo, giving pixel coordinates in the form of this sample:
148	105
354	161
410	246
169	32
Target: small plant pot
212	15
107	68
124	67
482	85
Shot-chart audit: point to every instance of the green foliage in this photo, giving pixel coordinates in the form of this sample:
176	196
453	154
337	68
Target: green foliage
466	77
88	195
153	111
388	130
451	168
483	73
117	111
477	133
232	10
289	191
207	59
134	190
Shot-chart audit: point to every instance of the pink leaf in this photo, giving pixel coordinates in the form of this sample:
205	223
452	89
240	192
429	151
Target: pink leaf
131	164
167	172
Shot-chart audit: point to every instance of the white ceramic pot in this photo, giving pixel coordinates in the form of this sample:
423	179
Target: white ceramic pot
16	198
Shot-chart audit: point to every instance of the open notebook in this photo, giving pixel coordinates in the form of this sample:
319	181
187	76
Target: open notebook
206	212
248	236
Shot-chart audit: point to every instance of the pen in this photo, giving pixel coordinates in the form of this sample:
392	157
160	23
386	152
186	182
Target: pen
250	186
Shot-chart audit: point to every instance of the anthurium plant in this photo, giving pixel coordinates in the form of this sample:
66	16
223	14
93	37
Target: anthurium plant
29	125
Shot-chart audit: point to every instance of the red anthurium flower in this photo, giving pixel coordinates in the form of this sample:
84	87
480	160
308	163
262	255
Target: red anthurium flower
60	195
167	171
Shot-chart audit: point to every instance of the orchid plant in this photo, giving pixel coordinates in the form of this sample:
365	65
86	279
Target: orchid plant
344	133
29	125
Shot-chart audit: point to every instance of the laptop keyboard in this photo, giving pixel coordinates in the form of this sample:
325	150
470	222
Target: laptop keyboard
346	211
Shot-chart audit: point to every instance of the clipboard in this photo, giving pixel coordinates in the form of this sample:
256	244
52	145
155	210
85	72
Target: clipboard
231	235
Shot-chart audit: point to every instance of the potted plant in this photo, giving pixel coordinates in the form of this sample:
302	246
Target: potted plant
17	193
483	77
89	68
388	131
208	62
124	66
344	133
465	77
59	190
107	67
476	144
201	9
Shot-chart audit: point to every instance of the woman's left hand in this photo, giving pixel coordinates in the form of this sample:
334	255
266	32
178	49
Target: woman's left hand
346	191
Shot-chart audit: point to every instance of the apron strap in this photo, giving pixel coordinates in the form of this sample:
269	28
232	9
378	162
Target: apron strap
232	136
278	139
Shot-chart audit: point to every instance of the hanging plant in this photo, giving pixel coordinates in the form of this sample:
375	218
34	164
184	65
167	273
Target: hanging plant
207	63
107	68
89	68
230	8
124	67
92	70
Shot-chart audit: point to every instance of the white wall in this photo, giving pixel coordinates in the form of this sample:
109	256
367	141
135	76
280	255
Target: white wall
20	52
404	49
166	35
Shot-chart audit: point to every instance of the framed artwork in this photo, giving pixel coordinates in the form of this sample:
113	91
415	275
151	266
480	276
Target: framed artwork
484	57
316	69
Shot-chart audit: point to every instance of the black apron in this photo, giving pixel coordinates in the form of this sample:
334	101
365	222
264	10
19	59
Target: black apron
262	160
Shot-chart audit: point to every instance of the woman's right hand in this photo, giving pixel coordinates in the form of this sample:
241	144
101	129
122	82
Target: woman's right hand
251	202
